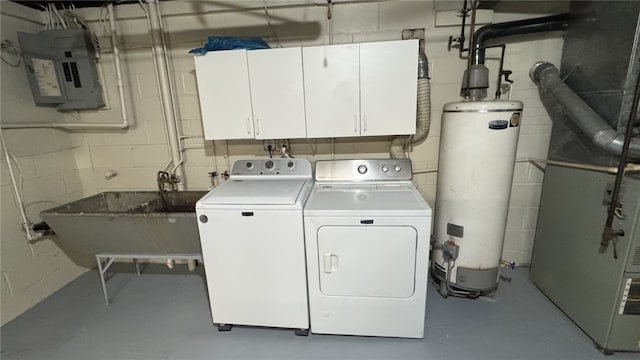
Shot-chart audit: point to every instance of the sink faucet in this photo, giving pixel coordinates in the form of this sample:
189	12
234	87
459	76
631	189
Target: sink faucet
164	178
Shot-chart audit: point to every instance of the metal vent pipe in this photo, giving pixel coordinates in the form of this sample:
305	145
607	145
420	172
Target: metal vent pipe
519	27
547	77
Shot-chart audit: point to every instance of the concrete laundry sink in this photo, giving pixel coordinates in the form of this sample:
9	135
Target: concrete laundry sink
126	222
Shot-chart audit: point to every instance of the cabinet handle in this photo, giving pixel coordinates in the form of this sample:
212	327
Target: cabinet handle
355	123
364	123
257	126
248	126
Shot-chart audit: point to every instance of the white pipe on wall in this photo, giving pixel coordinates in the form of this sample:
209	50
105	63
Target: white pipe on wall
176	115
124	124
19	204
155	67
67	126
165	91
222	8
116	57
105	92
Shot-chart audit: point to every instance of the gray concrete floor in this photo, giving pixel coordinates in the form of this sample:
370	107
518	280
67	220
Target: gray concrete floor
165	315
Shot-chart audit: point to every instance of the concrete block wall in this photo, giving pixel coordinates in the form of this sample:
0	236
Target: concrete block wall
138	153
31	271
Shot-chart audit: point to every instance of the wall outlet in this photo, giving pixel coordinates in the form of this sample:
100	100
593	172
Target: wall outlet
267	143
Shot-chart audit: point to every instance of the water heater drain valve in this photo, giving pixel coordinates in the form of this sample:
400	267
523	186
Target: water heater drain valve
450	250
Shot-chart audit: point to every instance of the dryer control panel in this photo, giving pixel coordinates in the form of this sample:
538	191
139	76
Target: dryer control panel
364	170
275	166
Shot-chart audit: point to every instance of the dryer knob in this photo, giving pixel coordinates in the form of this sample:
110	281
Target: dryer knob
203	219
397	168
269	164
362	169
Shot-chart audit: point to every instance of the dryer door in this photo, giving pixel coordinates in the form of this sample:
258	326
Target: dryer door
367	261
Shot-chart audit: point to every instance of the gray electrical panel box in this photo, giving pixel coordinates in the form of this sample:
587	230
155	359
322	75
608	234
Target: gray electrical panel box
61	67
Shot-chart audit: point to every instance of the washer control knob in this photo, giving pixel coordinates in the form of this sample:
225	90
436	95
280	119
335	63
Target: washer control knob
249	165
362	169
290	164
203	219
397	168
269	164
385	168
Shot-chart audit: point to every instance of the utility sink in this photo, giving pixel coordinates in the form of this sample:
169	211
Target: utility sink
127	222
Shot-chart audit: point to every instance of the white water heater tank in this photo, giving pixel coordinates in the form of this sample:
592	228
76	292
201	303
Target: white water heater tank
478	144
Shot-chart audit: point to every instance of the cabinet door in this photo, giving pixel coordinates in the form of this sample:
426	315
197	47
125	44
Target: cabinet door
388	87
367	261
331	87
277	93
225	100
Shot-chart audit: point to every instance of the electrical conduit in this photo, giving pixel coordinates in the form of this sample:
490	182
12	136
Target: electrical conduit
18	196
116	56
165	91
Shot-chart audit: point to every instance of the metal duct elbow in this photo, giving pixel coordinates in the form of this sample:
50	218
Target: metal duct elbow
546	76
423	66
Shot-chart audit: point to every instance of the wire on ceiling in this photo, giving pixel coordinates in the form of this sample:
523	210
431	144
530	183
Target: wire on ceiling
273	32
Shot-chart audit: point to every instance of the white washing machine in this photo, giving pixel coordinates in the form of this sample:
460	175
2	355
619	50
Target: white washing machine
252	237
367	231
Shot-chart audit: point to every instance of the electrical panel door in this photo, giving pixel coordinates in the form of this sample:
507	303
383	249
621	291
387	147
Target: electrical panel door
61	68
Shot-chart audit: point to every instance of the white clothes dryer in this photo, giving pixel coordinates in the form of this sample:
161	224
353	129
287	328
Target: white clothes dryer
252	238
367	231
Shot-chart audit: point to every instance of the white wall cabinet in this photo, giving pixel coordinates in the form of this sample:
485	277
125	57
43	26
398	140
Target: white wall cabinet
251	94
225	98
361	89
277	93
346	90
332	90
388	87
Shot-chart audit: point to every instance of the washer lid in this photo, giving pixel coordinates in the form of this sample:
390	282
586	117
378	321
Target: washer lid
255	192
366	198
